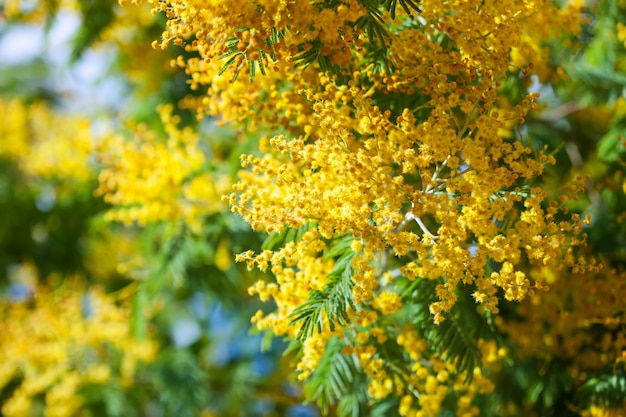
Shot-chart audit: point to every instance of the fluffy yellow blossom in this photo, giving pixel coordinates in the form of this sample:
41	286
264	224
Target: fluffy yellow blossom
275	29
388	302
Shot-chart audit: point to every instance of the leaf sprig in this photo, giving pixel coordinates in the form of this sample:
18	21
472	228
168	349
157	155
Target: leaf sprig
451	337
373	24
256	58
334	300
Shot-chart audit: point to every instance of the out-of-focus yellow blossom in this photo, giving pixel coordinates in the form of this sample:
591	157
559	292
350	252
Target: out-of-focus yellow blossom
149	180
61	341
46	143
532	54
223	256
621	32
388	302
61	146
14	129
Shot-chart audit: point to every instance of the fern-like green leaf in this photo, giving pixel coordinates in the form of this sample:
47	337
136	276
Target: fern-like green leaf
288	234
306	58
232	52
385	407
455	341
334	300
455	338
333	378
373	23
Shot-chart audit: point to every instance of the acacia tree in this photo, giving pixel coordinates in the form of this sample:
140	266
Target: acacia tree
443	218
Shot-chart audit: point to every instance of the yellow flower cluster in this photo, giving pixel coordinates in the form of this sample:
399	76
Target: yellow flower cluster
298	271
271	99
486	33
61	341
149	180
44	143
440	191
442	187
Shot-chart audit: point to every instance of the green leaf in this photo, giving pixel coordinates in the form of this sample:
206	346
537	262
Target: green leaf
454	338
334	300
288	234
139	321
374	28
305	58
349	406
455	341
385	407
233	52
340	247
333	378
228	63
